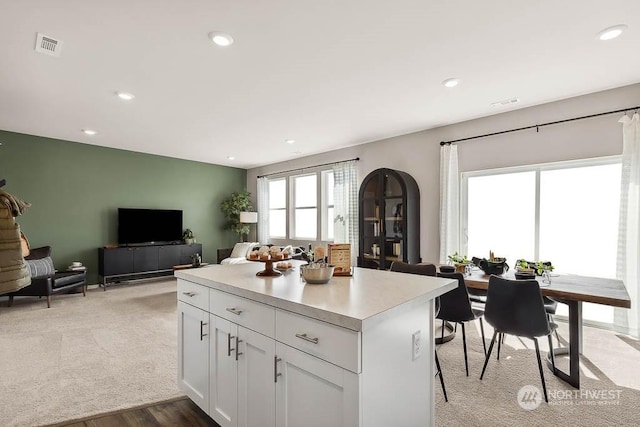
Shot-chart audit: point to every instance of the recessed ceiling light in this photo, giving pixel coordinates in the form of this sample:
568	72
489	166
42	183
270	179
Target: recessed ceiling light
231	158
612	32
451	82
220	38
124	95
289	141
89	131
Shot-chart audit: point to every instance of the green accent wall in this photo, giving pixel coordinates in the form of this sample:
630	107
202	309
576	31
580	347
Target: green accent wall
75	190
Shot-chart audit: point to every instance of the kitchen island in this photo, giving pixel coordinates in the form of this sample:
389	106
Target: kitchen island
275	351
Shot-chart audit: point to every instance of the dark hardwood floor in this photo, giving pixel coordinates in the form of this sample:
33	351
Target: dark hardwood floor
178	412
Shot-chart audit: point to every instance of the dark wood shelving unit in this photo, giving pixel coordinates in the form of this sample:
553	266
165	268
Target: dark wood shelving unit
389	219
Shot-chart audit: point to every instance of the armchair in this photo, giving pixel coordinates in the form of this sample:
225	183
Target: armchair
50	284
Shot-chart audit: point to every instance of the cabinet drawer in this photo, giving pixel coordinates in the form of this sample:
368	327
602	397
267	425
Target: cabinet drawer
332	343
194	294
241	311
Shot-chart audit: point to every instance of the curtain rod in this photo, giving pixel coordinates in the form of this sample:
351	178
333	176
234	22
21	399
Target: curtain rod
540	125
309	167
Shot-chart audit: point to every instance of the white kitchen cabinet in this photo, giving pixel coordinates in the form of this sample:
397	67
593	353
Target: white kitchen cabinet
193	353
311	392
241	376
223	376
256	383
357	352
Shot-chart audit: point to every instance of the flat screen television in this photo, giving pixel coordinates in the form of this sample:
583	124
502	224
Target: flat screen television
149	226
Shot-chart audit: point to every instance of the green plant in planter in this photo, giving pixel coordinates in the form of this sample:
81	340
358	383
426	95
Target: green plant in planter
231	208
524	265
459	259
188	236
541	267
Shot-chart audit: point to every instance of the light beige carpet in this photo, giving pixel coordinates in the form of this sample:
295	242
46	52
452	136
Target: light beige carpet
610	368
87	355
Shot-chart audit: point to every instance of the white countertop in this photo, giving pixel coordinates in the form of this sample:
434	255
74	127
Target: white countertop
344	301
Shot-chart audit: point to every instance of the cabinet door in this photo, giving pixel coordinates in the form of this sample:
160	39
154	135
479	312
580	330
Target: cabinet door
145	259
187	250
313	393
193	354
118	261
168	256
256	385
223	381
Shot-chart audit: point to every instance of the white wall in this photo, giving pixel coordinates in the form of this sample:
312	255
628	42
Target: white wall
419	153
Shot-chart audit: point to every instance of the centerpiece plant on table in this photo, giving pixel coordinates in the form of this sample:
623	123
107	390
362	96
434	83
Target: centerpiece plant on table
460	262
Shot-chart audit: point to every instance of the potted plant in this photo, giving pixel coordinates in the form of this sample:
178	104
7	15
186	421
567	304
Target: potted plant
460	262
523	266
231	208
542	267
188	237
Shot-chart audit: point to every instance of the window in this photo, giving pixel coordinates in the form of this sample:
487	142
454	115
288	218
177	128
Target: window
305	202
278	208
565	212
301	207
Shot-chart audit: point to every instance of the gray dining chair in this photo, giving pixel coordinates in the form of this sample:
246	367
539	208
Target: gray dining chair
516	307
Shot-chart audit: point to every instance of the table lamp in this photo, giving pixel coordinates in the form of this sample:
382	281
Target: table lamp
248	218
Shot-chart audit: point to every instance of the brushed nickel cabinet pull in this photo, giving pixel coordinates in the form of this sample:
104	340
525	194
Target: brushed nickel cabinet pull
189	294
229	349
234	311
238	353
276	359
308	338
202	334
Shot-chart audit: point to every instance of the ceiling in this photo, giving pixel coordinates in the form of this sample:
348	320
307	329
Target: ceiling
327	74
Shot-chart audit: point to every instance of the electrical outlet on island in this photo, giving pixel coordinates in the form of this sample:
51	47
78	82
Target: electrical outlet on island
416	345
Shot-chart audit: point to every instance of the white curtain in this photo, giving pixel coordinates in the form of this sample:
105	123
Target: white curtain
449	202
345	205
628	270
263	210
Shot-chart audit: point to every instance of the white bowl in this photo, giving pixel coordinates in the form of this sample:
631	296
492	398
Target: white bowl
76	264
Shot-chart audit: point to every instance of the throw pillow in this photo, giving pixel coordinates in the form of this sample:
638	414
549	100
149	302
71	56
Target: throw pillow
40	267
240	250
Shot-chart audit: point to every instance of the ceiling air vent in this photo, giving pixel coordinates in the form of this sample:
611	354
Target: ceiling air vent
506	102
48	45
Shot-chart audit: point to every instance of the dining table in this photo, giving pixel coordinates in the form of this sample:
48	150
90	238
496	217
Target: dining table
571	290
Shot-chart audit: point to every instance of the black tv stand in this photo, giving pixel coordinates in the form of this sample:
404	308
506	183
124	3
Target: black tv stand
142	262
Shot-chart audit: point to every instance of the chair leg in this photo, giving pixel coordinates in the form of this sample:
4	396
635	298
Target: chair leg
552	356
10	302
464	346
48	301
484	345
500	340
486	359
84	291
442	332
544	386
556	329
444	390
